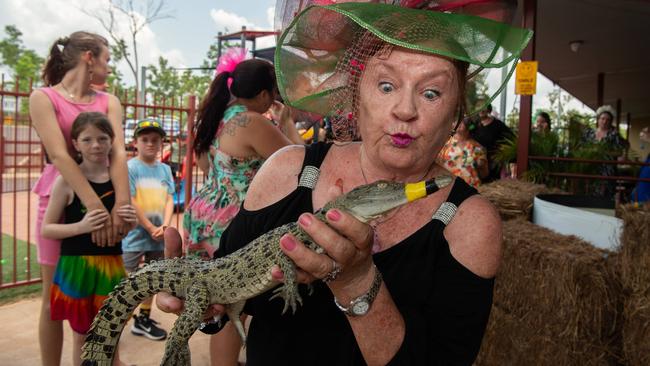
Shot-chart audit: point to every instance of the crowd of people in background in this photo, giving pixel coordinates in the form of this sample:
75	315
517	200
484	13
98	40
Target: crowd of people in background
470	151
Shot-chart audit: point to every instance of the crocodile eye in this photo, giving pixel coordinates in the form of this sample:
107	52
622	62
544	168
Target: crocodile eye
381	185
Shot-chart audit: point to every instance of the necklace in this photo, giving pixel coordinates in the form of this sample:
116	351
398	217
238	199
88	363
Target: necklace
67	91
376	242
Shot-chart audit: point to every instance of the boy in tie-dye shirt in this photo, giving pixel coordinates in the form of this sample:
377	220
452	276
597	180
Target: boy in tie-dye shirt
152	186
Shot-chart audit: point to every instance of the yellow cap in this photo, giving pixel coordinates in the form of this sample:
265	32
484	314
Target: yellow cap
415	191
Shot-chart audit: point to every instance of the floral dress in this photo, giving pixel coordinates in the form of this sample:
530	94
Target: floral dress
218	201
614	144
462	158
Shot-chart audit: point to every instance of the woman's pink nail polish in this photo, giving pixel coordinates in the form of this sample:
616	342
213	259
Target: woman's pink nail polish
334	215
304	220
277	274
288	243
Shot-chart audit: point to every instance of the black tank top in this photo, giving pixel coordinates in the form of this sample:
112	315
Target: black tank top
444	305
75	212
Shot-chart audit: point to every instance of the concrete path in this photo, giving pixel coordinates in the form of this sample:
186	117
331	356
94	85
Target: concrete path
19	343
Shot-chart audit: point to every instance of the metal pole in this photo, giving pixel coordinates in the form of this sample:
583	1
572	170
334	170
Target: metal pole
143	85
243	36
219	44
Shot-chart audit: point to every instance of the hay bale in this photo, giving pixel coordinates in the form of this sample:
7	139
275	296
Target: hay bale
634	267
555	302
510	340
513	198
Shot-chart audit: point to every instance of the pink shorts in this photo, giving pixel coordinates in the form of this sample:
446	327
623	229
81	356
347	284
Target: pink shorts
49	250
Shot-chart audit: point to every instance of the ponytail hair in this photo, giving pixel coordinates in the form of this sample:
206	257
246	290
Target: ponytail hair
249	78
211	111
64	54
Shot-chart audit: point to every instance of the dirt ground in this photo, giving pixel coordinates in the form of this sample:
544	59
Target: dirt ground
19	347
20	320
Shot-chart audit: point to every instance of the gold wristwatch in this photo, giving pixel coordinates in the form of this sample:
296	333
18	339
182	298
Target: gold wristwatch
361	305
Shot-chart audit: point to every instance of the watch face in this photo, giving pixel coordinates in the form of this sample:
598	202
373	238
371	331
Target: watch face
360	307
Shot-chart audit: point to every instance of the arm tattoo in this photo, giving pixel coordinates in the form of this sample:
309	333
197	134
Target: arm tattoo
240	120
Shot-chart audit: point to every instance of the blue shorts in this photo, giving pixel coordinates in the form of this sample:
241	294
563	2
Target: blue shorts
132	260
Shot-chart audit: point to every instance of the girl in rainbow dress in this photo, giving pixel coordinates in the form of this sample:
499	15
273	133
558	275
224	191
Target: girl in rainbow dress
86	272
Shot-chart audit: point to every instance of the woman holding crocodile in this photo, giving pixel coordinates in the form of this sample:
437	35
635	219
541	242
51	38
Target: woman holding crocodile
415	286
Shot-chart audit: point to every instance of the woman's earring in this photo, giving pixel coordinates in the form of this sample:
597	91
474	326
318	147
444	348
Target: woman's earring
454	127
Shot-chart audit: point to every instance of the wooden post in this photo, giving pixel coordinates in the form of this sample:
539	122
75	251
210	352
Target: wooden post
618	114
526	101
218	45
600	89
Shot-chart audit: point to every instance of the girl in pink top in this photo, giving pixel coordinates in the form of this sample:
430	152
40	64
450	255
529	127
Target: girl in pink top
73	64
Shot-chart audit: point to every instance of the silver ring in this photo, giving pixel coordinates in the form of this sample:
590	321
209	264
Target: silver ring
331	275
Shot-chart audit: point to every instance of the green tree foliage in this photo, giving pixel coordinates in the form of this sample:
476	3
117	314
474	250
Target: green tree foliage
28	66
512	119
116	83
163	80
476	92
11	45
24	66
23	63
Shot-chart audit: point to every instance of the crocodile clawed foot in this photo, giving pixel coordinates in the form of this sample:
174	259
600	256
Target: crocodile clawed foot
290	296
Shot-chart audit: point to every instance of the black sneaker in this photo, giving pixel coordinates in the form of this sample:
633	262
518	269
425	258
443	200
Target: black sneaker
145	326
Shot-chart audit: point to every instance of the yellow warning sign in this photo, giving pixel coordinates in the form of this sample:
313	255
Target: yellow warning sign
526	78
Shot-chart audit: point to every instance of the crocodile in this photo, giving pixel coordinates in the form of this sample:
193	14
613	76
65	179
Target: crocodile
232	279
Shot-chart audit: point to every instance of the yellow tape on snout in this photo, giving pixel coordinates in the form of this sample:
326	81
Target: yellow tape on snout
415	191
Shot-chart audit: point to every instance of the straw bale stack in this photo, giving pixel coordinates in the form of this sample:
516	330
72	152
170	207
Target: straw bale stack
555	302
513	198
634	267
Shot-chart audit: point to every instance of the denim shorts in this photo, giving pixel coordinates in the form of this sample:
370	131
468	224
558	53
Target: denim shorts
132	259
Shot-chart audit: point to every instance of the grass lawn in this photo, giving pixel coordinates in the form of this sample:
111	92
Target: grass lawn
6	260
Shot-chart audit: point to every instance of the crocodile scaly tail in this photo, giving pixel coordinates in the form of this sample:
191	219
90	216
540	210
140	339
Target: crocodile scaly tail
104	333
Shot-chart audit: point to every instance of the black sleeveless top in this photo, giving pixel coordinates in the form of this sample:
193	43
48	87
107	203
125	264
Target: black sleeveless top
444	305
75	212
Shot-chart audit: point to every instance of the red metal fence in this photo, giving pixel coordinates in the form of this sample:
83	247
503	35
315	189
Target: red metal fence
22	159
